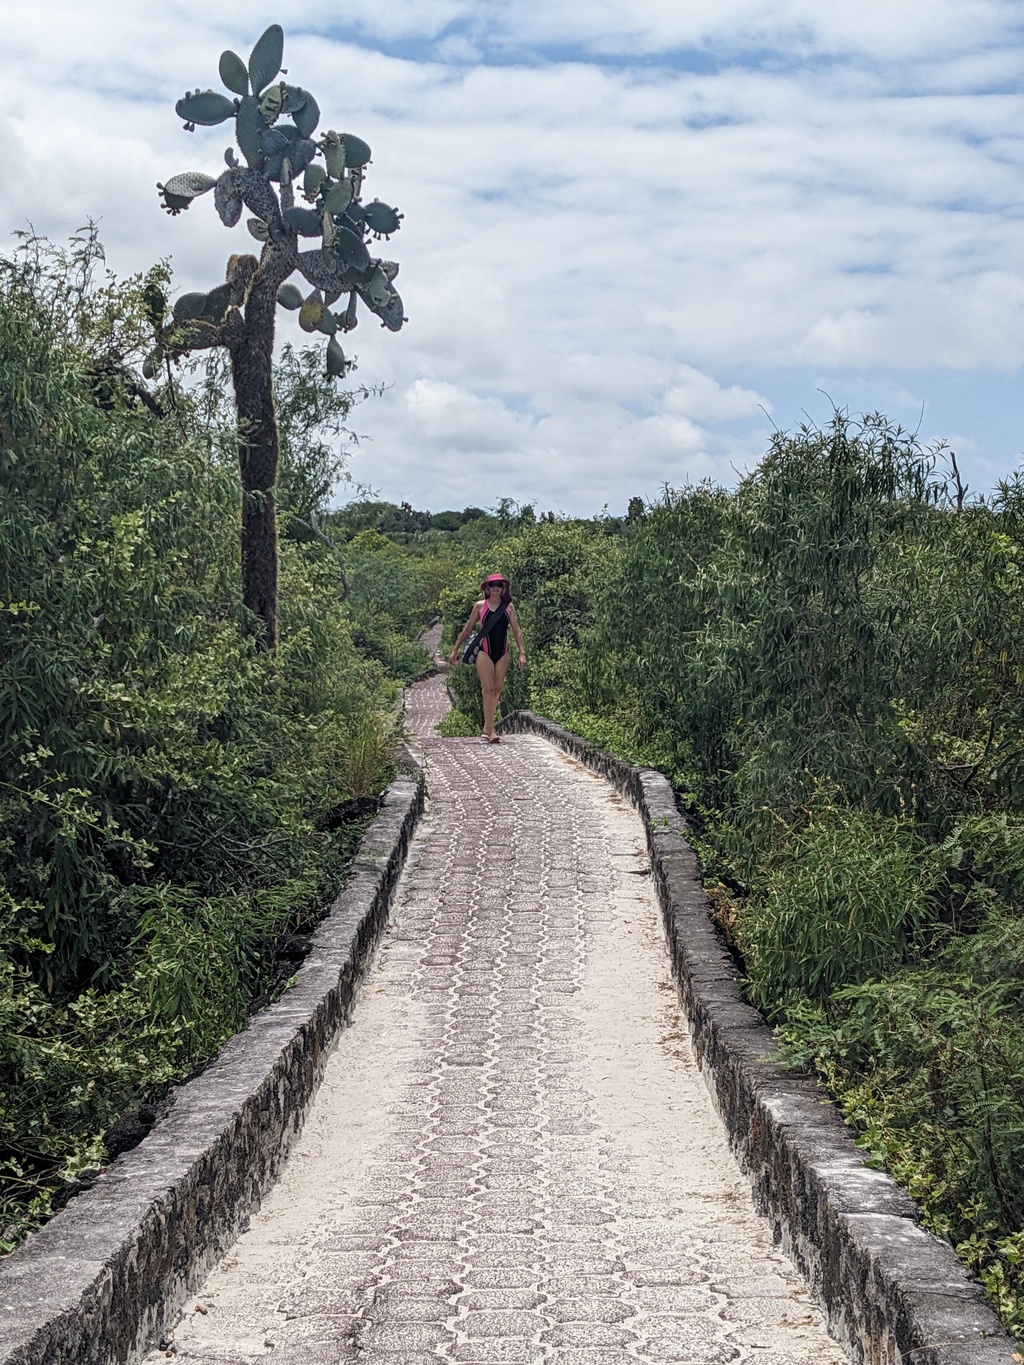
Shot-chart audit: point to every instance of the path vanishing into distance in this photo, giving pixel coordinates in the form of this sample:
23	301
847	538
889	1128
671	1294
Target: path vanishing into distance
512	1157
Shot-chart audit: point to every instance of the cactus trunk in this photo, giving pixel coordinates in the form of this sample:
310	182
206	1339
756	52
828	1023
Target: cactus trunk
252	350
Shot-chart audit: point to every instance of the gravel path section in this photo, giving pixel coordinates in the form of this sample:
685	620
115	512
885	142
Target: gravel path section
512	1157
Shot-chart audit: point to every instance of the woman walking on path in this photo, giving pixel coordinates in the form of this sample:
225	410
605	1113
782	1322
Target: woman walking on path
492	660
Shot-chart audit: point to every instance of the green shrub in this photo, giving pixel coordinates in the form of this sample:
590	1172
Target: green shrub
841	906
166	787
459	725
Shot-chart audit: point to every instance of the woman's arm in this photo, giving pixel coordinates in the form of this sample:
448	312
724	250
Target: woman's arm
513	621
465	630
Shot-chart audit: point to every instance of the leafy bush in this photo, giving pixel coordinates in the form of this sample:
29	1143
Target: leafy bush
929	1066
459	725
166	787
844	905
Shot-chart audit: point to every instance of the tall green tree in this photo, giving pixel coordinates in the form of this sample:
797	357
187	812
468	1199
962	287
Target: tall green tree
274	128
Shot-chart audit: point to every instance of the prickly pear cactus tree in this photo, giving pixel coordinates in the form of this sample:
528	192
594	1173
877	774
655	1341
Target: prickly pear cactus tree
304	192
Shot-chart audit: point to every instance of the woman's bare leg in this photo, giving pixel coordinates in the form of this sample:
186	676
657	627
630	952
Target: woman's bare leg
485	671
500	669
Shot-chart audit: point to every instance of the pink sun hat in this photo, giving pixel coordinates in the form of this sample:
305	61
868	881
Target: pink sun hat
506	596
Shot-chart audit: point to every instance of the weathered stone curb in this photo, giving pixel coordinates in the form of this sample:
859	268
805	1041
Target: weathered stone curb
107	1276
893	1293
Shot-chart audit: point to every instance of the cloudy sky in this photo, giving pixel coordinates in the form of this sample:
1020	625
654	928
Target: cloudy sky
637	237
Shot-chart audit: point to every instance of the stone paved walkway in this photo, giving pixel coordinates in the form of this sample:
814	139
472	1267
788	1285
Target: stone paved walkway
512	1157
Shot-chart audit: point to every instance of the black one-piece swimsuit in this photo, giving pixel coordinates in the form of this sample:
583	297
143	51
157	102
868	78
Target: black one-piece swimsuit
496	644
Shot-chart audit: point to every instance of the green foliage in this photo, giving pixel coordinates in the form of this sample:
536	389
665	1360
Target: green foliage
929	1066
459	725
391	604
315	439
166	785
843	905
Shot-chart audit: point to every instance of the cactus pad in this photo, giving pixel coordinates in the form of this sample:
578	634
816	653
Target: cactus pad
190	184
337	365
306	222
258	229
276	146
334	155
240	274
205	107
320	268
381	219
390	312
227	198
311	312
174	203
294	97
378	288
275	142
249	129
271	102
357	153
265	61
289	297
352	249
339	196
301	152
328	323
233	73
308	116
313	178
278	233
189	306
355	216
393	316
350	320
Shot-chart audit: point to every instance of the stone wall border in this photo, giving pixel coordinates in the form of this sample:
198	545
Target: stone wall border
893	1293
106	1278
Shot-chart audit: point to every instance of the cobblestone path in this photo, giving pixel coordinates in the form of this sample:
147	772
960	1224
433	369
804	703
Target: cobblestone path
512	1157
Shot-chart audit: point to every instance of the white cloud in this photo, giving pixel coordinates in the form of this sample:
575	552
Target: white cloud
704	400
603	259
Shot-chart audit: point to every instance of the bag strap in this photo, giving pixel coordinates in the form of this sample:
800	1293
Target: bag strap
482	632
486	630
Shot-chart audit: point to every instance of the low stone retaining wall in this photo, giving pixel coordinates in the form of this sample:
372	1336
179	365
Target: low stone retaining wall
893	1293
107	1276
